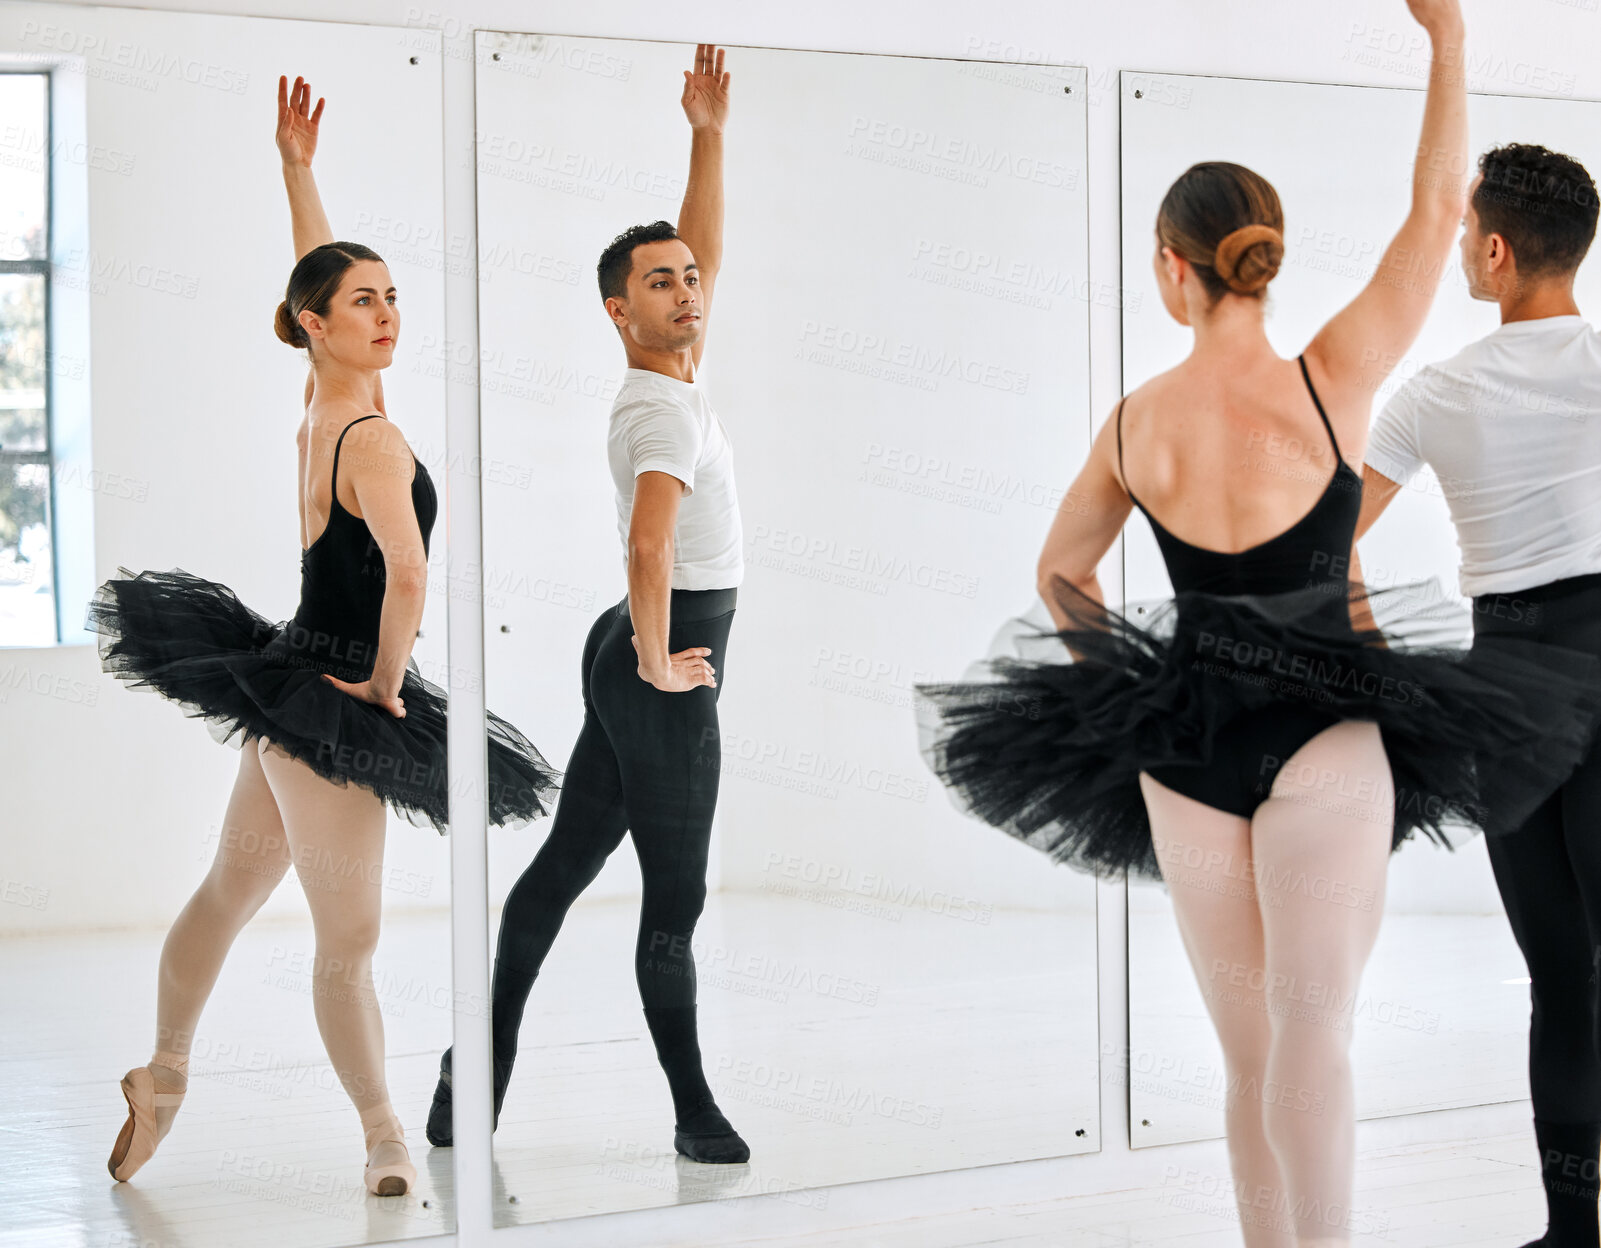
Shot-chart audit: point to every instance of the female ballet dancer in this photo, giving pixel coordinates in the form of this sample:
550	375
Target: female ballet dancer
1525	495
330	715
646	762
1256	742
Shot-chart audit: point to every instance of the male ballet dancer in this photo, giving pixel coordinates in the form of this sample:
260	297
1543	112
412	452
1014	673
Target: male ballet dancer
647	759
1512	426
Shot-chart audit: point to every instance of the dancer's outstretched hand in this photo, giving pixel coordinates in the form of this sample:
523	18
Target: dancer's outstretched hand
706	90
687	669
297	125
366	693
1432	13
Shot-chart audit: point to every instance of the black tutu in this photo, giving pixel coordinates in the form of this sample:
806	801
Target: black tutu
192	641
1048	747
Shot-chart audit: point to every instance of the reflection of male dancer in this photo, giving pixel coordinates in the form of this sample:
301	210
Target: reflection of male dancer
647	758
1512	423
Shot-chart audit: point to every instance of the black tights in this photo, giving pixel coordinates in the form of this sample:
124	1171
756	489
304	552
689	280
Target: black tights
646	762
1549	874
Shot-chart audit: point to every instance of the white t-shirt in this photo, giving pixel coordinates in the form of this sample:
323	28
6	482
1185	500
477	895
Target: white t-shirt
661	424
1511	425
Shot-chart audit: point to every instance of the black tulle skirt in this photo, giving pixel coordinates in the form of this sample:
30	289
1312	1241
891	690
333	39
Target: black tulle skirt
195	643
1047	736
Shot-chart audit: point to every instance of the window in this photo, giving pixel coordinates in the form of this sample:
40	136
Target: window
27	544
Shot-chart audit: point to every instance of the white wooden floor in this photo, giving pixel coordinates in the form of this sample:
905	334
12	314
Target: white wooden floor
266	1150
847	1046
1478	1191
844	1044
1442	1021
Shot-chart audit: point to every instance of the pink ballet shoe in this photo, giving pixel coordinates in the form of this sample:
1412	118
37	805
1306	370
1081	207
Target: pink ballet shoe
381	1126
136	1142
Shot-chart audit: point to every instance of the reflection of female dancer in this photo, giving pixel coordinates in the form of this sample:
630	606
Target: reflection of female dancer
332	714
646	762
1525	495
1257	741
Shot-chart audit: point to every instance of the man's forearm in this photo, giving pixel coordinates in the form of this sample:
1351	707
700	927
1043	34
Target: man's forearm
307	220
700	219
650	578
1377	492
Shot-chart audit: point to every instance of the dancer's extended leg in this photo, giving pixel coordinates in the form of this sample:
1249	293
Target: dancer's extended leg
1321	843
1205	856
252	856
588	824
336	838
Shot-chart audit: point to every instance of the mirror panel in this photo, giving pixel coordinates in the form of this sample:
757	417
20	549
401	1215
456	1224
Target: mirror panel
900	359
1442	1019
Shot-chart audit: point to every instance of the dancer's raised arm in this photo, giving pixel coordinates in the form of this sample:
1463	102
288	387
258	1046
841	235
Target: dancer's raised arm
1362	344
297	144
296	136
700	219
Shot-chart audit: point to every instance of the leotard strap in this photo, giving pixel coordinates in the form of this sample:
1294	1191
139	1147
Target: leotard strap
337	445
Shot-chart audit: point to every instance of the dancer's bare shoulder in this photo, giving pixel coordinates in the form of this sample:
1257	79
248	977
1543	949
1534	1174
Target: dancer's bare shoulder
1146	414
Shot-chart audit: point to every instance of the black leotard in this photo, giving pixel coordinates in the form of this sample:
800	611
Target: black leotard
1312	549
342	580
194	642
1251	749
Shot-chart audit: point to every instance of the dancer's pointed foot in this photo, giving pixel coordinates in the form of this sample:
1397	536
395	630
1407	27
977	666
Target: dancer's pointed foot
709	1137
153	1092
389	1171
441	1129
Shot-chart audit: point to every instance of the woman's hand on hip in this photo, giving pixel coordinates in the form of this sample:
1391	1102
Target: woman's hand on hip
366	691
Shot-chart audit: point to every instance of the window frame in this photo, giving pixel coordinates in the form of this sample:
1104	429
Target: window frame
42	267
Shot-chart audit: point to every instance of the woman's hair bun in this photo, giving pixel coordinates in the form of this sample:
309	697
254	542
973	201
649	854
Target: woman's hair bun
288	328
1247	258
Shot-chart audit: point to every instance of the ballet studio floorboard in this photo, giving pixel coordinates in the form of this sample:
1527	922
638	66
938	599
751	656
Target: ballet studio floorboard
266	1150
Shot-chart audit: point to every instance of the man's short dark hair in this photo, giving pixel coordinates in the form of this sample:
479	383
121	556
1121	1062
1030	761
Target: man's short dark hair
1542	202
617	261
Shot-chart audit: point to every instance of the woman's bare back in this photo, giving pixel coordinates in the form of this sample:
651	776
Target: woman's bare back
316	440
1228	460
